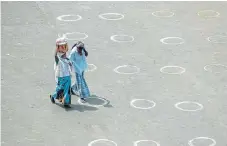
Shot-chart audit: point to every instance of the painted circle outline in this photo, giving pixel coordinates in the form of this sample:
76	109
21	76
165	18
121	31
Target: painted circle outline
104	18
60	18
171	15
113	38
217	14
190	142
144	108
166	38
122	66
205	67
95	67
208	38
103	99
172	66
135	143
97	140
68	33
187	110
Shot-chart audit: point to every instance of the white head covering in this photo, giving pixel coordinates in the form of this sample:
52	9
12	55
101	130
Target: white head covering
61	41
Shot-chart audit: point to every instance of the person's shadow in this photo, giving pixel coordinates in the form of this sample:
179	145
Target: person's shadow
78	107
98	101
92	104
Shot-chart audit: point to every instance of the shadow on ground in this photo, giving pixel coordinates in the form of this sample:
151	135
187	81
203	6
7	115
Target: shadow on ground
95	100
78	107
92	104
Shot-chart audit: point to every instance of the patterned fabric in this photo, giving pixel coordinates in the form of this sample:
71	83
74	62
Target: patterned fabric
81	86
63	88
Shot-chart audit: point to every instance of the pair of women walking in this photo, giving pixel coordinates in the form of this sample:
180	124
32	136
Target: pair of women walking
64	67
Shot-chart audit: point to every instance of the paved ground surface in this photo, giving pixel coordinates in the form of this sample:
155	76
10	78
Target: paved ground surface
29	30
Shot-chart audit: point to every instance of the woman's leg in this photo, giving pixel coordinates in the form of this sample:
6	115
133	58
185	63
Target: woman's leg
66	88
58	90
74	88
84	88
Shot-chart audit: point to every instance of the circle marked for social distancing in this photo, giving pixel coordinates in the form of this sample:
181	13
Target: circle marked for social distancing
205	13
61	18
102	140
166	72
93	68
105	16
165	12
66	35
164	40
190	142
103	99
206	68
136	143
189	102
132	103
114	38
219	39
127	73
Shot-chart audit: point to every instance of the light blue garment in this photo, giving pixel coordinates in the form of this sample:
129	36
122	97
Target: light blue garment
79	62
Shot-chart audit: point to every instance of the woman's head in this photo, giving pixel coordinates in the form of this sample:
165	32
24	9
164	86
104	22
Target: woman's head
80	47
61	46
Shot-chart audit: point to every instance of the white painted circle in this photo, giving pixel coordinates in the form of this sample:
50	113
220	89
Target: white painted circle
103	16
164	40
127	73
100	140
93	68
140	141
189	102
105	102
66	36
190	142
114	38
166	72
221	39
61	18
206	68
132	103
165	12
204	12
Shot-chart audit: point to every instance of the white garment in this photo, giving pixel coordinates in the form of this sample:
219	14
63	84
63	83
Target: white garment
62	69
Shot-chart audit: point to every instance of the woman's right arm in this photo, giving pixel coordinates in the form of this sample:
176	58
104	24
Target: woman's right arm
56	57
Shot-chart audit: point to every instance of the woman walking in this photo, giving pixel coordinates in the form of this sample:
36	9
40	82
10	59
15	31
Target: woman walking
63	69
78	58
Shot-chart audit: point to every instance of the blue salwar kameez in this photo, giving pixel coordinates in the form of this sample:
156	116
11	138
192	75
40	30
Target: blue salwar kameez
80	65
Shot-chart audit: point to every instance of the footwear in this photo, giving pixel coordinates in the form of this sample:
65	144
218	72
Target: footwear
72	92
67	106
63	101
60	100
83	100
52	99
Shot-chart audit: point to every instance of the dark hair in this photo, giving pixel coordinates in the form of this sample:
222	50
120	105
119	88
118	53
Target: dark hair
79	49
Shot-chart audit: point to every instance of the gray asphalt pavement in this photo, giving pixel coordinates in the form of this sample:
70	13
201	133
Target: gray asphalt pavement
29	31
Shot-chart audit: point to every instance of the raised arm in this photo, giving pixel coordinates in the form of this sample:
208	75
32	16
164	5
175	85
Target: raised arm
85	51
56	57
